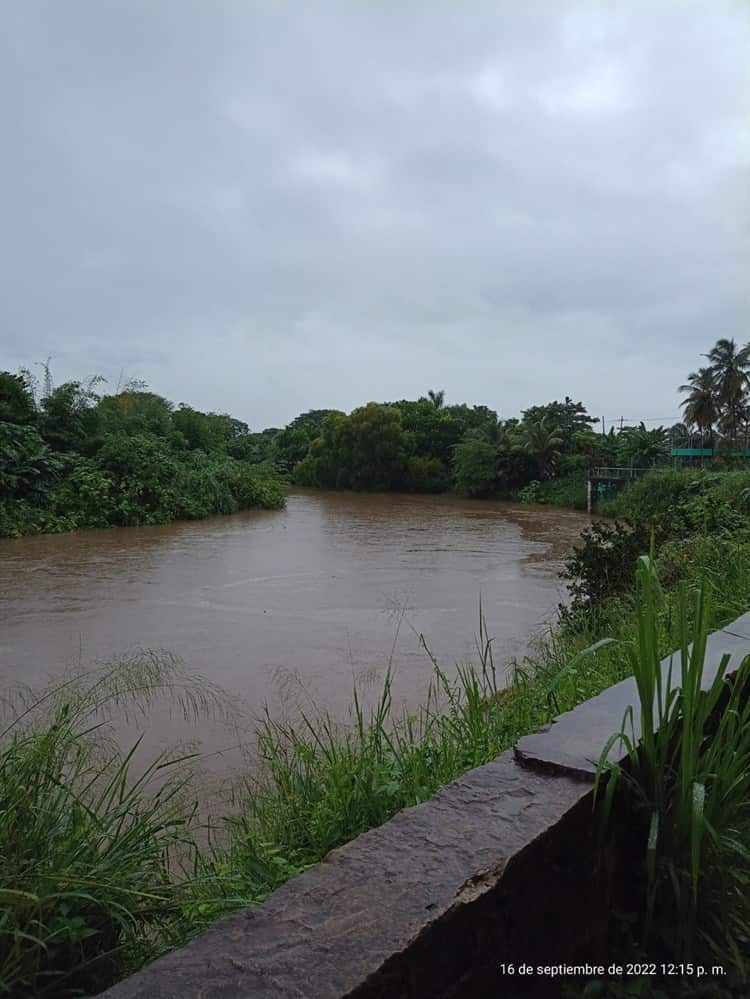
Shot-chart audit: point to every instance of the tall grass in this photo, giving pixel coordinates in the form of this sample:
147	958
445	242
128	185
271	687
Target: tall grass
91	853
685	783
325	782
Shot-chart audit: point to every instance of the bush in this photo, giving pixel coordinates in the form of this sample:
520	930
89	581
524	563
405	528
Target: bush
675	504
257	486
85	497
569	491
141	480
425	475
530	493
603	565
79	461
27	465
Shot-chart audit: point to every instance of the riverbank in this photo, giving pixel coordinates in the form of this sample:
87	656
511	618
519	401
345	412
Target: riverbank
323	783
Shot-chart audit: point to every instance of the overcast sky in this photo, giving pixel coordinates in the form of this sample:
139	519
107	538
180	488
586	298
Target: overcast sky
263	208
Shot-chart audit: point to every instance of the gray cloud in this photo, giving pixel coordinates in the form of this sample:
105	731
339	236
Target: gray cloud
267	207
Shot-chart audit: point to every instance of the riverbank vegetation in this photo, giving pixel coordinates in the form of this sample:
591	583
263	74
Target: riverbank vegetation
100	871
71	458
430	446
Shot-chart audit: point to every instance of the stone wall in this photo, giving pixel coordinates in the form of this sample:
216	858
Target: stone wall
496	869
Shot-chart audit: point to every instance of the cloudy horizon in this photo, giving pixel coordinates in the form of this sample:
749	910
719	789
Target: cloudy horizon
263	209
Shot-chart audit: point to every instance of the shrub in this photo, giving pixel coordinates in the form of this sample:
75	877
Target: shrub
425	475
85	497
678	503
530	493
257	486
603	565
569	491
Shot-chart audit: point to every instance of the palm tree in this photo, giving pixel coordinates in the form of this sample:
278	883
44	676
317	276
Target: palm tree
542	441
701	404
731	372
437	398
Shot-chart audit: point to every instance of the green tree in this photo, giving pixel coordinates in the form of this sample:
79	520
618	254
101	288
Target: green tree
425	475
16	399
255	448
731	375
69	419
135	412
84	497
701	405
437	398
641	447
146	478
367	450
203	431
372	449
587	450
569	417
291	444
542	441
472	417
475	467
27	465
435	431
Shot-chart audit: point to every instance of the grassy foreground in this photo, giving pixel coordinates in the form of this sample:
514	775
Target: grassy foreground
99	873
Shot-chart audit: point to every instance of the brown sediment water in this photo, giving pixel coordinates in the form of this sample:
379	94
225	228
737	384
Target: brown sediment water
277	605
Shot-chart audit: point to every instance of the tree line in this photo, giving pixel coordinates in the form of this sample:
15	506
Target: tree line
72	457
429	446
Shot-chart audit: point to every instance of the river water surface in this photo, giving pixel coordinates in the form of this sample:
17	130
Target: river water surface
307	600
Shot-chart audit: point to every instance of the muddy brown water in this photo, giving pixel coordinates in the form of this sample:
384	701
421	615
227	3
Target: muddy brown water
298	604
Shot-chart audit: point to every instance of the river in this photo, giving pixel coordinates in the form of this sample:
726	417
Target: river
303	602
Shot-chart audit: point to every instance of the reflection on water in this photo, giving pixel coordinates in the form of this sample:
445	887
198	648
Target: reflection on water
269	604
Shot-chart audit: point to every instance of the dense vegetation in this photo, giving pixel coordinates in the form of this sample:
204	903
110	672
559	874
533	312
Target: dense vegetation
428	446
98	874
71	458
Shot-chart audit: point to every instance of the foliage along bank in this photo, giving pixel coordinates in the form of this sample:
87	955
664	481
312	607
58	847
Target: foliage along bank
73	458
70	457
543	457
418	446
